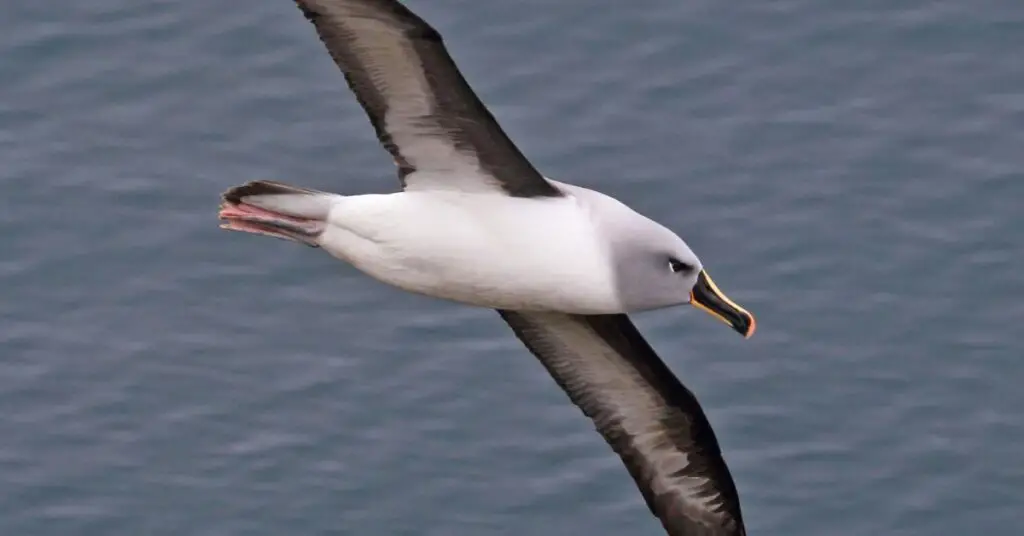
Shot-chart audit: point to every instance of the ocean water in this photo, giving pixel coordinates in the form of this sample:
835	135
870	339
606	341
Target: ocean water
848	171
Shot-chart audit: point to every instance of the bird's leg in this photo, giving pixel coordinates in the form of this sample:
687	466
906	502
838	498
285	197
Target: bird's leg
252	219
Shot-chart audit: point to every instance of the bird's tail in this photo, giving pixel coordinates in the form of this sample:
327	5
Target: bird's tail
276	209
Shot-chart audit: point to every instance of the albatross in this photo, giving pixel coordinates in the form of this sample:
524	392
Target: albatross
476	223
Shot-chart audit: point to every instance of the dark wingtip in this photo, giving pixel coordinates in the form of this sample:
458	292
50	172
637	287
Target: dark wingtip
235	194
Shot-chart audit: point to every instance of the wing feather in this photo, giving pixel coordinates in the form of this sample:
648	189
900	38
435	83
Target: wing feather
650	419
424	112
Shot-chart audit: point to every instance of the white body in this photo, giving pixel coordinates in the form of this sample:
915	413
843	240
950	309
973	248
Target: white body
487	249
481	249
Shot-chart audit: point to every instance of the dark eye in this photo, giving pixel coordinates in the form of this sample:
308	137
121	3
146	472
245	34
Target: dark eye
679	266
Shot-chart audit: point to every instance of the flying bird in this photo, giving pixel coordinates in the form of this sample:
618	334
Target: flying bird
476	223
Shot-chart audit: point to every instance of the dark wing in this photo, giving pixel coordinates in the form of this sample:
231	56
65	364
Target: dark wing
425	114
649	418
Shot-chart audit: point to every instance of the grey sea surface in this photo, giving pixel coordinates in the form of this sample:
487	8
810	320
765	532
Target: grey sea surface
848	171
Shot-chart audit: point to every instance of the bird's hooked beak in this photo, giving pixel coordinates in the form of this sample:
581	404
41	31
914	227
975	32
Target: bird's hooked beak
705	295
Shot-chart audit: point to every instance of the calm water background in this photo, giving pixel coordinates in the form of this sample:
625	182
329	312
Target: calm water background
850	171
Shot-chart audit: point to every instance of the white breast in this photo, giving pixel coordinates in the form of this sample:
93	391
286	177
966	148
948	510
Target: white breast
482	249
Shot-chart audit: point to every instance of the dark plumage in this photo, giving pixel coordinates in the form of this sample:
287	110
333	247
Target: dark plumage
651	420
415	96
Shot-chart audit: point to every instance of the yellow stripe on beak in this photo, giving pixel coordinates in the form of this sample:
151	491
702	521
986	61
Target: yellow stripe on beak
706	296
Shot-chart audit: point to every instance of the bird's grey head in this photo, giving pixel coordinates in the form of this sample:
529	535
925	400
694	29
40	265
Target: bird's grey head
655	268
652	266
